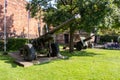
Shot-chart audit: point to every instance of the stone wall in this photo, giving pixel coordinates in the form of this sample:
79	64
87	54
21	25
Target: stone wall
17	20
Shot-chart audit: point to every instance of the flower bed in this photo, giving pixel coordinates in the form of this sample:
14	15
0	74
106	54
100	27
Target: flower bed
111	45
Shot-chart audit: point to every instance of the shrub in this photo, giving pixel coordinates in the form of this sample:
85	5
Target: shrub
13	44
108	38
1	45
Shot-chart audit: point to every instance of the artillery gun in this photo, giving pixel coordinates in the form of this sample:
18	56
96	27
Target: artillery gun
79	43
44	43
82	43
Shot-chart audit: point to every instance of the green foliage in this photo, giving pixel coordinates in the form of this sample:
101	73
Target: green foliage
94	13
61	14
13	44
35	7
1	45
97	13
108	38
110	31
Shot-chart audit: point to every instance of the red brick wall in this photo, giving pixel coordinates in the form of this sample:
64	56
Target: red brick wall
17	19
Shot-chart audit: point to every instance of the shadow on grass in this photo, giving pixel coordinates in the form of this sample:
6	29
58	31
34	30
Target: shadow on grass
8	59
75	53
79	53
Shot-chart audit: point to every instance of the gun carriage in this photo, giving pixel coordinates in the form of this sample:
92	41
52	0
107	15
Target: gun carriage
43	43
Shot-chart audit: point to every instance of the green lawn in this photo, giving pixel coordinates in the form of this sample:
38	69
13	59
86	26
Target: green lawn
90	64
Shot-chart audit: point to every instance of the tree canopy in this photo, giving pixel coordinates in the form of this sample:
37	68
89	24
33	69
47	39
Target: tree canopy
98	14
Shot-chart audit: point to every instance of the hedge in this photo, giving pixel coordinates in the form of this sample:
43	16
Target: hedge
108	38
13	44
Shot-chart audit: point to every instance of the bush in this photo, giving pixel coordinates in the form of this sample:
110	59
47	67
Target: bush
13	44
108	38
1	45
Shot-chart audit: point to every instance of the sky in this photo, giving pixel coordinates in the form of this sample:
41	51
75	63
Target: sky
28	0
53	2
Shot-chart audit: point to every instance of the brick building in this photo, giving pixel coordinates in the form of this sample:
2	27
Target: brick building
17	20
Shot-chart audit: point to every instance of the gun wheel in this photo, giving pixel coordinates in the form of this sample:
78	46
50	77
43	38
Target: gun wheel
79	46
29	52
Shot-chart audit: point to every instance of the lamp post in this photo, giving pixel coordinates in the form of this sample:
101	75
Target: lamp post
5	30
28	20
96	35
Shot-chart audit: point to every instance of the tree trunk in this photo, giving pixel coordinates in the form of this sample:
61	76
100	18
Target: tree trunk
71	44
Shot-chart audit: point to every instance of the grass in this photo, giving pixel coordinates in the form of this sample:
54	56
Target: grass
90	64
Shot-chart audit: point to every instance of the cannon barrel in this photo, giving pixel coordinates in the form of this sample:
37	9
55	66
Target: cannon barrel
81	44
88	38
59	27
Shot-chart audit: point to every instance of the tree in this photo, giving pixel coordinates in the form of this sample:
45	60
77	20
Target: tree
94	14
112	21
